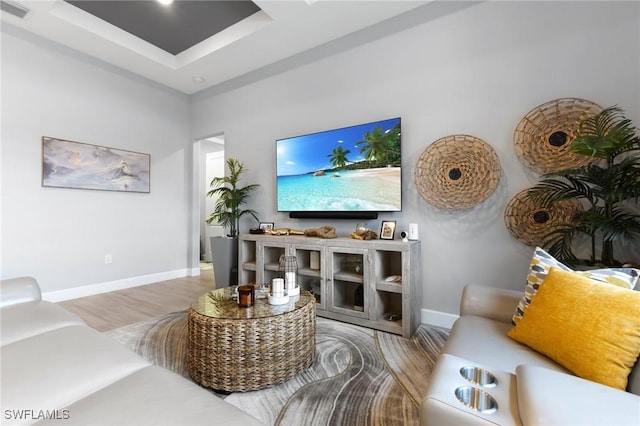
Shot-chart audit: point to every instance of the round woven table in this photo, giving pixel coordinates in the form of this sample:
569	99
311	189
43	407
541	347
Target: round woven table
238	349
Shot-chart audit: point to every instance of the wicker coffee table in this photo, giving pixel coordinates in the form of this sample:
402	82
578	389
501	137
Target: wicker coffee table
238	349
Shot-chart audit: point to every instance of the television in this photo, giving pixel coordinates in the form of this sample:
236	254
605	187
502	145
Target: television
350	172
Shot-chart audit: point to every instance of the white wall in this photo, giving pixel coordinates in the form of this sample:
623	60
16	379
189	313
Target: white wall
60	236
477	72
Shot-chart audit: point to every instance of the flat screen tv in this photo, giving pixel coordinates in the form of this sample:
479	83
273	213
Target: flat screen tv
351	172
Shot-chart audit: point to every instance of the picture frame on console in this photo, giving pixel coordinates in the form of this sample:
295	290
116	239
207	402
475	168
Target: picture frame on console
387	229
266	226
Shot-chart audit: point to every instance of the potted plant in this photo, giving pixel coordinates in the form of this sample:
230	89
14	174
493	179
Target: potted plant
228	209
608	188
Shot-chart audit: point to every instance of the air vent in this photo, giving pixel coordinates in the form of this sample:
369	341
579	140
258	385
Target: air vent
13	8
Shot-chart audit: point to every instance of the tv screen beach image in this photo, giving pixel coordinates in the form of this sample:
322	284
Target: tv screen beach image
355	168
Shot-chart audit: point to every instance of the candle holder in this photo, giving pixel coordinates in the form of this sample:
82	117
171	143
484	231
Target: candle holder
246	296
288	270
278	295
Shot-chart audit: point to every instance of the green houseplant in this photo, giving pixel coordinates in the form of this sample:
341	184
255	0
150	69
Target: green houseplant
228	208
608	189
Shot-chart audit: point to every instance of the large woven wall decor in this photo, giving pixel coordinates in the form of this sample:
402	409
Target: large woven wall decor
543	136
529	222
457	172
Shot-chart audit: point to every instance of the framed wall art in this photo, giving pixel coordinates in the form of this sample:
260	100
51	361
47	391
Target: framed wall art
67	164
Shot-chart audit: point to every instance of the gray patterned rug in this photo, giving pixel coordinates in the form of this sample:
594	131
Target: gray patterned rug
359	377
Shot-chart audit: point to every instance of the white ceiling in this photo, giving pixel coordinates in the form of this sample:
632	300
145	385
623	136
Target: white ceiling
282	29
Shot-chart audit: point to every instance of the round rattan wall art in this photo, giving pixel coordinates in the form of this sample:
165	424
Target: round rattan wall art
543	136
530	223
457	172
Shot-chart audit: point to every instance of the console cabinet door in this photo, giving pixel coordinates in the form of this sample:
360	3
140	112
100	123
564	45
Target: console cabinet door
311	271
348	281
269	259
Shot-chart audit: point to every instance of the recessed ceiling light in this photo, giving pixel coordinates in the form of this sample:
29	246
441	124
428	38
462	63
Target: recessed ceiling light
165	2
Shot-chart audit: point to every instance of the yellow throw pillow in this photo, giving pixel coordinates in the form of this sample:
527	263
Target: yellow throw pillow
590	328
539	267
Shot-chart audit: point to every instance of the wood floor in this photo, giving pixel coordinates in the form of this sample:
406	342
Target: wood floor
108	311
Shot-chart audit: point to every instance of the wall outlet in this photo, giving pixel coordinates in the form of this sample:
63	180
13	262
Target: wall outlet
108	258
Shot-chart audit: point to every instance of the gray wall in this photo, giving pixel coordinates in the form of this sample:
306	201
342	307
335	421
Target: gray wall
478	72
60	236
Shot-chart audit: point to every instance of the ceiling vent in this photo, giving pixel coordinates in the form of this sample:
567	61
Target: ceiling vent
13	8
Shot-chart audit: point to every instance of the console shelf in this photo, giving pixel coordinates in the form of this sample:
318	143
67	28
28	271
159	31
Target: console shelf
375	284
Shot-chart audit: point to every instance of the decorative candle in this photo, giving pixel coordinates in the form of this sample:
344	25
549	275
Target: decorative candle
277	287
246	295
290	279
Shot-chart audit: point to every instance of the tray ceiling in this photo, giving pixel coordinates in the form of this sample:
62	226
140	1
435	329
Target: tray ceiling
194	45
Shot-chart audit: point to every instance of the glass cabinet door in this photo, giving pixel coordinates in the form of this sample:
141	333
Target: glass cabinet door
347	281
311	261
270	254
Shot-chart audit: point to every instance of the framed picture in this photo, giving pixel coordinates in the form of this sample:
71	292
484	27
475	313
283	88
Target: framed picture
67	164
265	226
388	229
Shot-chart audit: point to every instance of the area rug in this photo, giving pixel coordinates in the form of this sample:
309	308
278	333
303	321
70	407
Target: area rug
359	376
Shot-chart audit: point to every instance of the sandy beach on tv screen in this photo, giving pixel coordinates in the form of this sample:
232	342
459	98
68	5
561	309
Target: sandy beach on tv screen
391	173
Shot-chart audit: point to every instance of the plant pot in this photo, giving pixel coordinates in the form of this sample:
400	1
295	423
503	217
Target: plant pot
224	256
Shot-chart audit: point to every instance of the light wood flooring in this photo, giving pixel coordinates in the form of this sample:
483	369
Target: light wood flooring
116	309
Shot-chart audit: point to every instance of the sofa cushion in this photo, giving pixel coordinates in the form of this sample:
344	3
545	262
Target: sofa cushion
544	398
153	396
542	262
25	320
57	368
591	328
485	341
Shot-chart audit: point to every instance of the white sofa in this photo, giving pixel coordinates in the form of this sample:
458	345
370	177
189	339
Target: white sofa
56	369
531	389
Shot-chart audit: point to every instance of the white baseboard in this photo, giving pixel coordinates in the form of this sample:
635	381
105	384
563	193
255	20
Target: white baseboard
90	290
437	318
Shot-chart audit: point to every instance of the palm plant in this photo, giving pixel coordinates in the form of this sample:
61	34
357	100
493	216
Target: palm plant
608	188
228	207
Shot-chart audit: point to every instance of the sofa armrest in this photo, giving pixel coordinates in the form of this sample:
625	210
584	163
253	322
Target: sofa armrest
19	290
547	397
493	303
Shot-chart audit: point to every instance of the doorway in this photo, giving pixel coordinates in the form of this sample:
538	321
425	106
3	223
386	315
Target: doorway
212	164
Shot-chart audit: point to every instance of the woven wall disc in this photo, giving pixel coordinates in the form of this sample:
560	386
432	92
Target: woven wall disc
457	172
529	222
543	136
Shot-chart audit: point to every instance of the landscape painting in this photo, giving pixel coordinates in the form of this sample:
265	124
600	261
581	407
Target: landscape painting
67	164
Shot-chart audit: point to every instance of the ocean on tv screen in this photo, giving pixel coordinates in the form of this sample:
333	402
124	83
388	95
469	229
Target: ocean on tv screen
376	189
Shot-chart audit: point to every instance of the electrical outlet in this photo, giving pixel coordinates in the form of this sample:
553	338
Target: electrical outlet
108	258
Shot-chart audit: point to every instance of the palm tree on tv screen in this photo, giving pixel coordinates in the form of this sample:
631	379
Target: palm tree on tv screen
338	156
381	148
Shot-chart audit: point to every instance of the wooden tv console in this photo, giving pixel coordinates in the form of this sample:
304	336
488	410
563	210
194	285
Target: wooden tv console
333	269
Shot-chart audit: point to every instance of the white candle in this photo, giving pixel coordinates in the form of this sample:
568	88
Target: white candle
277	287
290	278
